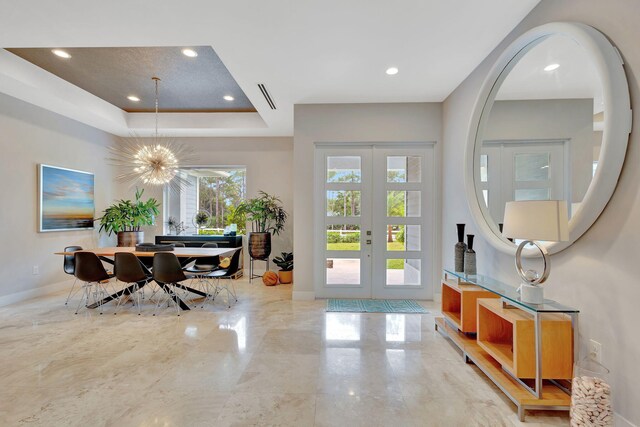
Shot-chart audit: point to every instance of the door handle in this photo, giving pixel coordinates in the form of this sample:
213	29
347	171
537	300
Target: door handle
368	242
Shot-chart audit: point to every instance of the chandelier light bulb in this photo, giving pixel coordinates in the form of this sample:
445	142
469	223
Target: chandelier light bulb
153	161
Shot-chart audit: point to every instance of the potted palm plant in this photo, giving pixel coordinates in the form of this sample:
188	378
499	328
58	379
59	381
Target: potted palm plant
126	217
285	263
267	216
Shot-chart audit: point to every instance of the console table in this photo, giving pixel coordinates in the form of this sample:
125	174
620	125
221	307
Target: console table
197	240
527	350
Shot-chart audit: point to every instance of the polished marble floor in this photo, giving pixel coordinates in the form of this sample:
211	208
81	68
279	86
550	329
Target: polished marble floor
266	361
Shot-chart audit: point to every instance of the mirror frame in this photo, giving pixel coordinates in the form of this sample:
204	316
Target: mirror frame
608	63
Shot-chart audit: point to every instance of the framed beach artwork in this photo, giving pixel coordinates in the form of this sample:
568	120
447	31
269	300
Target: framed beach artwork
66	199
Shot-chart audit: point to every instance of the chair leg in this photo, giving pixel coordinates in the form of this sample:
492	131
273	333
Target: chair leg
115	311
85	296
71	292
100	293
140	295
162	300
169	293
225	288
140	298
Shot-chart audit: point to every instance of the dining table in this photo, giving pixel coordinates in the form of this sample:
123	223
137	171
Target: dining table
184	255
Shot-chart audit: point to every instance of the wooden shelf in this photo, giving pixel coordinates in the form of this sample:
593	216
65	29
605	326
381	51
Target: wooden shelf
508	335
502	352
552	396
459	303
453	317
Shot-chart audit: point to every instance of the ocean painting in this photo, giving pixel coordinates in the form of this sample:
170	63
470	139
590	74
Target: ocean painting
66	199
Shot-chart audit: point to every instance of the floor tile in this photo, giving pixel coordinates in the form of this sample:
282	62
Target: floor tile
266	361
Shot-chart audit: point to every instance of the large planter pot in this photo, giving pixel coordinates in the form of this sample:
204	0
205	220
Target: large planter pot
130	238
285	277
260	245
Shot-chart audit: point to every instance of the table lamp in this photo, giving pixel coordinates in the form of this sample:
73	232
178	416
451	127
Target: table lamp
535	221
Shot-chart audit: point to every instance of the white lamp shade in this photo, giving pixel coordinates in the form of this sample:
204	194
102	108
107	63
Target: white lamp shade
546	220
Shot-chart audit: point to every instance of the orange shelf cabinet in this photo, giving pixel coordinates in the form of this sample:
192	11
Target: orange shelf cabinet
508	335
459	305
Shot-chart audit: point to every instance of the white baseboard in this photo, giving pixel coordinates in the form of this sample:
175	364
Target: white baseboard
621	421
303	295
34	293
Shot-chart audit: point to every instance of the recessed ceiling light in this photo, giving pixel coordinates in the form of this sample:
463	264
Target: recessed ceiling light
61	53
551	67
133	98
190	53
228	98
392	71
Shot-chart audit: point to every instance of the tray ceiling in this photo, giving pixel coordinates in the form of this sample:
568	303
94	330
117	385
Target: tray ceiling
303	52
187	84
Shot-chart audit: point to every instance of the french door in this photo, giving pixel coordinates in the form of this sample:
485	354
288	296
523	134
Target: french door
374	210
523	170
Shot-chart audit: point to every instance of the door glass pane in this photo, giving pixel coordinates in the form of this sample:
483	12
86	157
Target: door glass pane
532	194
403	237
403	272
403	169
532	167
344	169
343	271
484	167
343	237
343	203
403	203
485	195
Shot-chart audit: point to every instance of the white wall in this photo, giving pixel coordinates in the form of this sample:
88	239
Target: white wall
269	163
31	135
346	123
597	274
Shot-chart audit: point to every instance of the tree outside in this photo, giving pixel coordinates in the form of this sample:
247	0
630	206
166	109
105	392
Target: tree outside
218	195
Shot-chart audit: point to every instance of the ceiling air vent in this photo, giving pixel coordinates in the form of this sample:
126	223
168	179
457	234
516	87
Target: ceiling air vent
266	95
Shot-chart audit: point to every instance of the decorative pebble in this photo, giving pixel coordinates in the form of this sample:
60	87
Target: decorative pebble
591	402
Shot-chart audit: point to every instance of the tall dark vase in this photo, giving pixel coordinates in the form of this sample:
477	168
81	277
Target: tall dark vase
470	257
460	249
260	245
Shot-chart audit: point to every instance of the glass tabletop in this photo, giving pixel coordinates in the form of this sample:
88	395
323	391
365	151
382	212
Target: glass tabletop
509	293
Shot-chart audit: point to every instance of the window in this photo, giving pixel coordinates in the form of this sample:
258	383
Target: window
207	204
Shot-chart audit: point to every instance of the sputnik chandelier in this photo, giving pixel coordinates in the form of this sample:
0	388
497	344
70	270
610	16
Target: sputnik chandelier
151	161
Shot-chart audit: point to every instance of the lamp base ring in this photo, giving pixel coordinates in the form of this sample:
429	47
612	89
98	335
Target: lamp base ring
545	259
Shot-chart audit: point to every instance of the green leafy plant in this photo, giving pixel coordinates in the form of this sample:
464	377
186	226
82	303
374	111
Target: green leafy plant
265	213
238	218
284	262
337	237
211	232
127	215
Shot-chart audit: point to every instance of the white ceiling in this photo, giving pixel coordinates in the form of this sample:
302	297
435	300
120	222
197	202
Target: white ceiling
304	52
576	76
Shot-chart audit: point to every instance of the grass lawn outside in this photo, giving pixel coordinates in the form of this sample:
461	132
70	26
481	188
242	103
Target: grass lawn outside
392	264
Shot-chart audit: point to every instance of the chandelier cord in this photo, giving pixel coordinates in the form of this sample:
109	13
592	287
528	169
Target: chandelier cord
156	79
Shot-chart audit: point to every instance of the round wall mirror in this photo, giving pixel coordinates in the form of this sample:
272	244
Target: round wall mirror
552	122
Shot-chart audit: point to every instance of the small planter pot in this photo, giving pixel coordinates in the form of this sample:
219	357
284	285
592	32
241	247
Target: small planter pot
285	277
130	238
